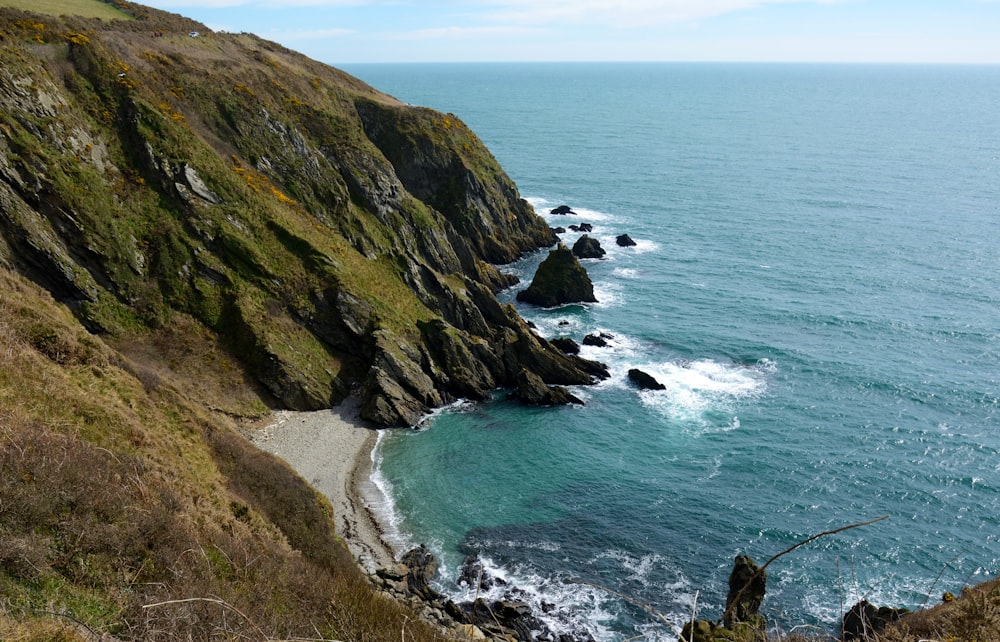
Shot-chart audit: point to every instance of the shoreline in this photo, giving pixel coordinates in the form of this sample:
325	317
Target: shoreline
332	450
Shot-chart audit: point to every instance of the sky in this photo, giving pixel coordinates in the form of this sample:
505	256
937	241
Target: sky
362	31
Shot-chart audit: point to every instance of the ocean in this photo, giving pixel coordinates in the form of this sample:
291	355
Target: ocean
816	281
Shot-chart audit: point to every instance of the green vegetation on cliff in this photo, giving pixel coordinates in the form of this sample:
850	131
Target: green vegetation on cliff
287	207
194	231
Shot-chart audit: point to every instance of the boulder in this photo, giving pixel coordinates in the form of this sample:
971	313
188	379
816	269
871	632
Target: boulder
533	391
586	227
559	230
587	247
559	279
865	619
574	228
747	585
562	210
624	240
644	380
566	344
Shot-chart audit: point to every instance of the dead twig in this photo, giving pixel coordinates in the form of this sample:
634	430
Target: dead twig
211	600
810	539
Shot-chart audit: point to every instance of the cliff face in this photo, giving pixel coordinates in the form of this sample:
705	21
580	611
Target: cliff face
334	238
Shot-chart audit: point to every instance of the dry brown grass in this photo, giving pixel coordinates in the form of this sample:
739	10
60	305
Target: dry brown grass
128	508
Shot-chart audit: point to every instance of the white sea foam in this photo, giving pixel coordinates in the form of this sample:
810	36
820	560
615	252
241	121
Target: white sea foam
698	387
583	214
626	273
564	605
380	501
608	294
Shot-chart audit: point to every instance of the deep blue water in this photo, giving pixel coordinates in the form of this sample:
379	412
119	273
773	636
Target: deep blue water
817	283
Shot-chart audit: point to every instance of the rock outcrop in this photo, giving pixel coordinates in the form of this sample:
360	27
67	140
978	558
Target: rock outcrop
741	620
747	586
587	247
865	620
624	240
533	391
334	238
644	380
599	340
560	279
566	344
562	210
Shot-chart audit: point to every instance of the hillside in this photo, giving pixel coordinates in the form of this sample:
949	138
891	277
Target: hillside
195	231
336	239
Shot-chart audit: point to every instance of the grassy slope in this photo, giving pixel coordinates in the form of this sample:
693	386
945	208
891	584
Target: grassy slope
120	490
84	8
129	502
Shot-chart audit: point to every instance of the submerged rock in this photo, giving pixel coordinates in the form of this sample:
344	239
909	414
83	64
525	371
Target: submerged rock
560	279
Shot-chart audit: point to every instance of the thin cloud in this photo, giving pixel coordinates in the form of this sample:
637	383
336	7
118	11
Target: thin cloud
467	33
309	34
628	13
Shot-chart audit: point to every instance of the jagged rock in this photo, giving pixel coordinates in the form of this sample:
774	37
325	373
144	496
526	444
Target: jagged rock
574	228
559	230
586	227
747	585
644	380
460	369
587	247
560	279
525	350
422	567
472	571
533	391
562	209
624	240
864	620
397	392
598	341
198	186
566	344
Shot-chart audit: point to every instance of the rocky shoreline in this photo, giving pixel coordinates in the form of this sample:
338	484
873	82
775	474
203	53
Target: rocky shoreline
332	450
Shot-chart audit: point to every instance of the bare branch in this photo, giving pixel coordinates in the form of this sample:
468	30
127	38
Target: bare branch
811	538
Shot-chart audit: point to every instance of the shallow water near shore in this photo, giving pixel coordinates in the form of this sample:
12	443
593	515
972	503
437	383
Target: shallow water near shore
816	282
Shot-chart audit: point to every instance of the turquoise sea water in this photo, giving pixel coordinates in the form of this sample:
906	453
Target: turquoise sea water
816	281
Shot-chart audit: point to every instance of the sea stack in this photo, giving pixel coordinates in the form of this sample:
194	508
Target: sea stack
559	279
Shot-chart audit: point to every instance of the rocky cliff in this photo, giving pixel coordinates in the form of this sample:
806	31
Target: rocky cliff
336	239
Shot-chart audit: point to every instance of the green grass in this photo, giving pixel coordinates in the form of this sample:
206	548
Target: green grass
85	8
